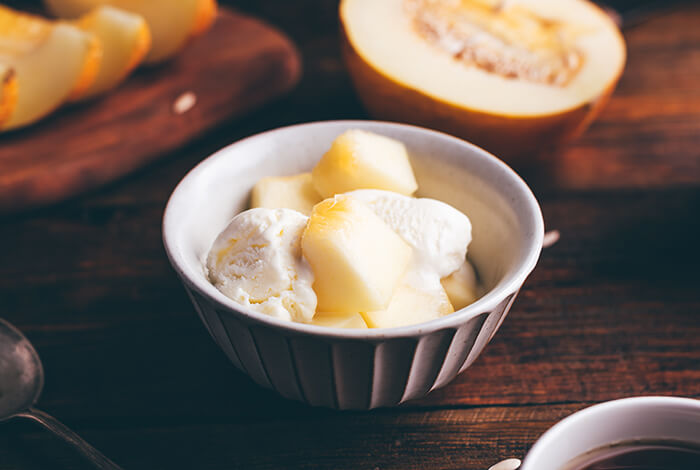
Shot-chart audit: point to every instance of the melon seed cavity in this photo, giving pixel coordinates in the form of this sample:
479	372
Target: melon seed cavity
508	40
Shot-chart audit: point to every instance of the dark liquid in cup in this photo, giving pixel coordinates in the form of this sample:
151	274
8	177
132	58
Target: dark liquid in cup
640	456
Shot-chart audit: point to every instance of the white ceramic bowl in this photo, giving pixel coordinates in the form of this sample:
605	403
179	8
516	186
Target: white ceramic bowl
343	368
629	419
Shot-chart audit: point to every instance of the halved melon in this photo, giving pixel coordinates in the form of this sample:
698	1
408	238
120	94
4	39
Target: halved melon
8	92
513	76
53	61
172	22
125	39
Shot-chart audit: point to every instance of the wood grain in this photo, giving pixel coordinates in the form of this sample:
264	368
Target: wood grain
612	310
238	65
402	440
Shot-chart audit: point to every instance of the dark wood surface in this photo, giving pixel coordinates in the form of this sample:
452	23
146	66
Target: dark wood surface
236	66
612	310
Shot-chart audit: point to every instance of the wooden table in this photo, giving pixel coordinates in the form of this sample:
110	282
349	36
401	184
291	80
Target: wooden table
612	310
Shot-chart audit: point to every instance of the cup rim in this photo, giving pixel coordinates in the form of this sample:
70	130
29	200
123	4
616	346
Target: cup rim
488	302
544	442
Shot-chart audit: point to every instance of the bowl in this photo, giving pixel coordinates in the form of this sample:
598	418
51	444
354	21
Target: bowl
629	419
345	368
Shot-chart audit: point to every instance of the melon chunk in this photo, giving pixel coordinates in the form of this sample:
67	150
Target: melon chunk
512	76
52	60
419	298
125	39
461	286
356	258
339	320
363	160
286	192
172	22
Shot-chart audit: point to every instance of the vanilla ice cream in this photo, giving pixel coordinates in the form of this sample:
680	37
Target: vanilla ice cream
257	261
438	233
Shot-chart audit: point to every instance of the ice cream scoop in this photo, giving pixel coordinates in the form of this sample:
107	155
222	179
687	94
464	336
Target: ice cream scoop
256	261
438	233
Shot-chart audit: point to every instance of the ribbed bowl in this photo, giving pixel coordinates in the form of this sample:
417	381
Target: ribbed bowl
356	369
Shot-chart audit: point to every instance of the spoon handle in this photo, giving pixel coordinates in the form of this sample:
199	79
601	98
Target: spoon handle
62	431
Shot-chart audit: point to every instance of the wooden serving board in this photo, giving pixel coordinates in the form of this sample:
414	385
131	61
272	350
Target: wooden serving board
239	64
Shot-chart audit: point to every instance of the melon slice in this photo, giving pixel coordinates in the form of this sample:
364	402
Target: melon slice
204	17
125	39
172	22
8	92
53	62
511	76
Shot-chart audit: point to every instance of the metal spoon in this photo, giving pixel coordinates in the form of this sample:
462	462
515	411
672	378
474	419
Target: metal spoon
21	381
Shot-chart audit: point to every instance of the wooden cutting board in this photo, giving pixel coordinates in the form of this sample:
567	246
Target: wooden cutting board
239	64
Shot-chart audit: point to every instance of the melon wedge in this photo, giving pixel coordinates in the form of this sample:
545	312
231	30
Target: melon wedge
8	92
125	39
514	77
52	61
172	22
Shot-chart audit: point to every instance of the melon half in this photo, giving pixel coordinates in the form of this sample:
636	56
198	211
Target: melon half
512	76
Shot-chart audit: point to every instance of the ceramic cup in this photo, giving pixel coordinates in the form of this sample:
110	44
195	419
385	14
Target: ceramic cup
344	368
629	419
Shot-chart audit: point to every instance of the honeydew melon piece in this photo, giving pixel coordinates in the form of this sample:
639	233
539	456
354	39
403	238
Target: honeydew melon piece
357	259
339	320
172	22
419	298
53	61
359	159
291	192
125	39
461	286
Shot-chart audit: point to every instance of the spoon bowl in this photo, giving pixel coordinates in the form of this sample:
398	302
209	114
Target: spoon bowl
21	373
21	382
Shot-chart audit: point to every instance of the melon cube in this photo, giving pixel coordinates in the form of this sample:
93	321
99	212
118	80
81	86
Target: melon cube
356	258
461	286
285	192
417	300
339	320
364	160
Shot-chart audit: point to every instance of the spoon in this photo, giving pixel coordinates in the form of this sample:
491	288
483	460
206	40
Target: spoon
21	381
